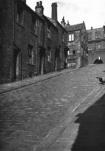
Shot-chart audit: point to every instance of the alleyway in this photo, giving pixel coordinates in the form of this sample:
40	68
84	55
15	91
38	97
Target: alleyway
57	114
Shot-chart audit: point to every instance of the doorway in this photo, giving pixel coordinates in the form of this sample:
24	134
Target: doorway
17	65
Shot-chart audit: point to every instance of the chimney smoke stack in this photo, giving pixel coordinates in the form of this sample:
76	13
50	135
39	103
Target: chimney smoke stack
39	8
54	11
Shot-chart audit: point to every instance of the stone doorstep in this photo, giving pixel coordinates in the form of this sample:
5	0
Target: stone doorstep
50	138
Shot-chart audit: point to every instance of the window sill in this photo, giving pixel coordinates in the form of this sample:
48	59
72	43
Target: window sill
72	41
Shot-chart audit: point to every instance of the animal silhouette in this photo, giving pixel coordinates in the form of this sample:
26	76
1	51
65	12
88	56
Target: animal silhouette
101	80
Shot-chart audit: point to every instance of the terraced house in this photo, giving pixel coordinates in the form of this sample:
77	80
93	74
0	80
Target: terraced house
29	41
22	36
61	40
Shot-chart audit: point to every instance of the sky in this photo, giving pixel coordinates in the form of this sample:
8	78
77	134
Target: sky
92	12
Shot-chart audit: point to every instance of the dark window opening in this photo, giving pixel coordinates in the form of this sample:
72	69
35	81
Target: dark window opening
34	26
31	54
74	52
20	14
49	32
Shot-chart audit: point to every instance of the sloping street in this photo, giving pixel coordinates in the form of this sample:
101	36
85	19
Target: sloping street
55	113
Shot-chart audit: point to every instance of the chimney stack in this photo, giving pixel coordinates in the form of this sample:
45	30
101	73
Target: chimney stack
54	11
39	8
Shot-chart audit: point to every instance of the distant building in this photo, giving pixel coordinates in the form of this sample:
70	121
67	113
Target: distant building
77	44
96	44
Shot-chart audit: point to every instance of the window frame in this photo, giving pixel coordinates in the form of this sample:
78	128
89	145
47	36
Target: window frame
31	54
71	37
20	15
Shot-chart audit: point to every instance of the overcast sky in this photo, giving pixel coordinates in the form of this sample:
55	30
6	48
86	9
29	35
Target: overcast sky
92	12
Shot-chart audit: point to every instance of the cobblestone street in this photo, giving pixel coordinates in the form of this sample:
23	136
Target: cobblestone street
35	115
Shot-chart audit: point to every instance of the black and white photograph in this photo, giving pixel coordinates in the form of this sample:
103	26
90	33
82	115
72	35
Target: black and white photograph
52	75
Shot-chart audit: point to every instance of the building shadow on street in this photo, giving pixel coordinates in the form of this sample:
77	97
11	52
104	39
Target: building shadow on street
91	133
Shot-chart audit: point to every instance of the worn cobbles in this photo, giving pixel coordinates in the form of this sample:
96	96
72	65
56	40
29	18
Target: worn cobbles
28	114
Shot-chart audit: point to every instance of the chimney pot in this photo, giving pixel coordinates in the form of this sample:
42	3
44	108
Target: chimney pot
39	8
37	3
40	3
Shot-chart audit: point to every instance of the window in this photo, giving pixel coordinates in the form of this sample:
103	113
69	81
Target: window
48	32
74	52
98	45
71	37
49	57
40	33
49	54
89	35
34	26
98	34
31	54
63	38
20	16
69	53
17	65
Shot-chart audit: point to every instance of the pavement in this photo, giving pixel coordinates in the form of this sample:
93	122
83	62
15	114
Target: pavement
30	81
44	113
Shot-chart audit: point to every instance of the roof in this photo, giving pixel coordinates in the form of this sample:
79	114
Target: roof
53	21
95	29
29	9
56	23
50	21
75	27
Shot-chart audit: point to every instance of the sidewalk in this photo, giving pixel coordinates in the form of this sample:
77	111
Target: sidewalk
25	82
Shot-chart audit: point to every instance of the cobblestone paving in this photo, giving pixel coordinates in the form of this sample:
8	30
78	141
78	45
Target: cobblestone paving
29	113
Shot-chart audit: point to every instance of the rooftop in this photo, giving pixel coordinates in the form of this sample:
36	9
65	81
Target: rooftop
75	27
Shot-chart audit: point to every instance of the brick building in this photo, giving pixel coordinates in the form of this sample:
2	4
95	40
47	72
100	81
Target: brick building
77	44
96	44
30	42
